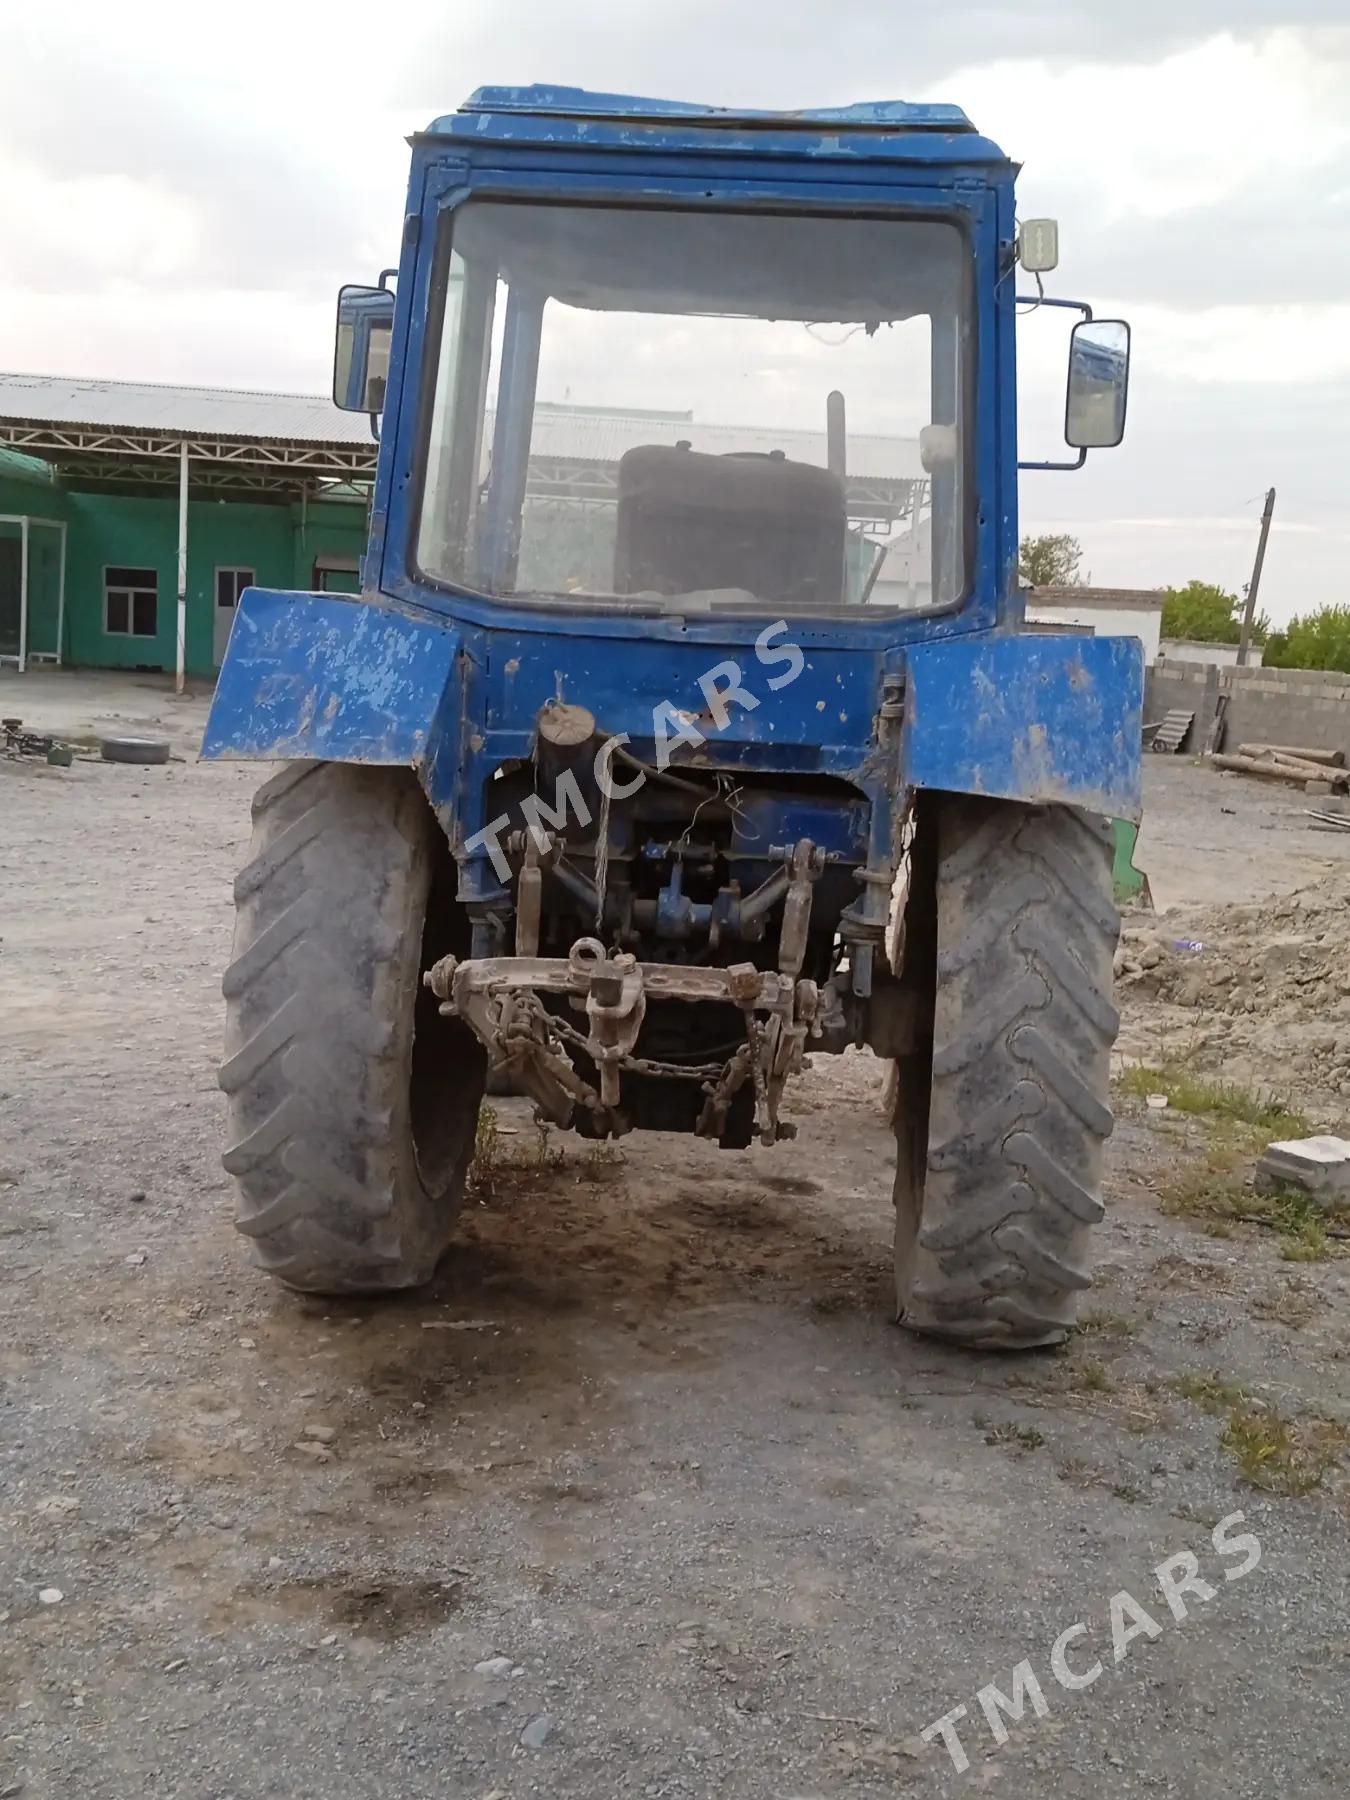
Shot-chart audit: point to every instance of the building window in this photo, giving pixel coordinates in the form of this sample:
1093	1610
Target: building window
230	584
131	602
336	574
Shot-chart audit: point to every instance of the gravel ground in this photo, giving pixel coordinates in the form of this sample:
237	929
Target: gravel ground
646	1496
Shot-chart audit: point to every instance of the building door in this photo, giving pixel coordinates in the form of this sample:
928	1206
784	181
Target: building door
230	584
11	598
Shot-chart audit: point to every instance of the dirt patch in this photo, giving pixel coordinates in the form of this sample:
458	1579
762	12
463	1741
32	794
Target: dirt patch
385	1608
569	1244
1260	993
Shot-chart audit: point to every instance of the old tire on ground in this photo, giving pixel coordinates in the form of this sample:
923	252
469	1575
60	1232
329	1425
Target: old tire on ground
148	751
352	1103
1013	928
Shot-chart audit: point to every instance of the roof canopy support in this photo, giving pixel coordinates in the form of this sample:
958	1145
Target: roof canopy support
180	663
23	595
65	443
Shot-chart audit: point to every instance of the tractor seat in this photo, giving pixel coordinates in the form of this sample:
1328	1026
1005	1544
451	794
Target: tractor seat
689	523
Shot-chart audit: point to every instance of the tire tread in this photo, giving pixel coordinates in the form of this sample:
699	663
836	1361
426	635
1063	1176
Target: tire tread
319	993
1023	1028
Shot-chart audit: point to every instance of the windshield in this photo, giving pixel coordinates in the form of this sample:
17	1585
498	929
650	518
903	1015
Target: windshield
699	411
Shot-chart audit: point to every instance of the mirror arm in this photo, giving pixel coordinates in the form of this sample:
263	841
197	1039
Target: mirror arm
1081	459
1034	300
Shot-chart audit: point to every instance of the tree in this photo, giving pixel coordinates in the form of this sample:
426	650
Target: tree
1050	561
1316	640
1201	613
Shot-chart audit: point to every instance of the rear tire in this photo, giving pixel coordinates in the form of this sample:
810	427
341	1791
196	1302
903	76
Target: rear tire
992	1227
352	1103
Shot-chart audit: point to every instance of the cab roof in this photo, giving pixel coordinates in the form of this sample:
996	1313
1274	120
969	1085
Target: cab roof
580	103
543	114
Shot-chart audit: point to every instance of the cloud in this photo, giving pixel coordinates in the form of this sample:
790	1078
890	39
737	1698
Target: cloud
1220	171
153	175
182	189
1275	241
246	338
793	53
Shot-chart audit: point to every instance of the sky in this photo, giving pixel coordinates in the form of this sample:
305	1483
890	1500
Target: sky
183	189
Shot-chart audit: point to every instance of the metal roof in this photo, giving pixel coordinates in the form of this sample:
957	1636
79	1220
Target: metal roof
162	408
133	432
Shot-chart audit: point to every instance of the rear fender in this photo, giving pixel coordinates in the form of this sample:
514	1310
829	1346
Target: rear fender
1054	719
335	678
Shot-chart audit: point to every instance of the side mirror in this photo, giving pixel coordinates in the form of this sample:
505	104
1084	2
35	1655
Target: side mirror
1099	384
365	324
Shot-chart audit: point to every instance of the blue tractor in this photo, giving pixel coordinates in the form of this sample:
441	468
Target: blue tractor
687	724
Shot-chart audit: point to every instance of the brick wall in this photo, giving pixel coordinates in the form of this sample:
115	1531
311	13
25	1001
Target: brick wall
1265	706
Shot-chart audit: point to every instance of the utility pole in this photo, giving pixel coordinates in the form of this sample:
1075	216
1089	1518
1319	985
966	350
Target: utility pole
1254	586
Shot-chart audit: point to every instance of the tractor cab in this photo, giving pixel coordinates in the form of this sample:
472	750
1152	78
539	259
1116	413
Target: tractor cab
813	310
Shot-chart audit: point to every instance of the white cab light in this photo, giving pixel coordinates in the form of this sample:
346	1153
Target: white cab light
1038	245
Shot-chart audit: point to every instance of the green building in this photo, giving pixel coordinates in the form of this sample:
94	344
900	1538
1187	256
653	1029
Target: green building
103	483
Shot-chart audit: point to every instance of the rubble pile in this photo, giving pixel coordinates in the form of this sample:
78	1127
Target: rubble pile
1260	992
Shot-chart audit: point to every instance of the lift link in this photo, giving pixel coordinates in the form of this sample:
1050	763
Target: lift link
538	1049
500	998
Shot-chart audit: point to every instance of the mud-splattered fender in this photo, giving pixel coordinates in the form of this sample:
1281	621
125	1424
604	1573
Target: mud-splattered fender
333	677
1028	718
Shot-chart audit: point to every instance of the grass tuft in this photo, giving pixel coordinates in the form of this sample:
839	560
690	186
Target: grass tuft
1302	1224
486	1150
1211	1393
1278	1455
1221	1199
1288	1303
1015	1437
1190	1093
1108	1324
492	1158
1092	1378
601	1161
